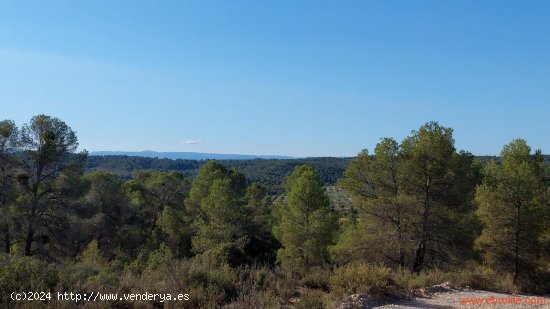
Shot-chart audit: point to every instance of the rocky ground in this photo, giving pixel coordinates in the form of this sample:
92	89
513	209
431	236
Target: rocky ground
443	296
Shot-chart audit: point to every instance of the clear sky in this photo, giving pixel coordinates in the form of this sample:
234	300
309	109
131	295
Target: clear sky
302	78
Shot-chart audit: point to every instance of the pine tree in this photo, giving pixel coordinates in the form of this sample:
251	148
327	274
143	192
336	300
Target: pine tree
8	146
50	175
410	200
220	230
375	185
107	208
262	245
305	222
202	183
439	181
513	211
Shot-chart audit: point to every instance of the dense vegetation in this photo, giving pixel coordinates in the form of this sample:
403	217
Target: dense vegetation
271	173
421	212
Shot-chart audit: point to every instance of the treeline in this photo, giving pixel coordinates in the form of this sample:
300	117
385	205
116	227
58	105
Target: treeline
421	212
271	173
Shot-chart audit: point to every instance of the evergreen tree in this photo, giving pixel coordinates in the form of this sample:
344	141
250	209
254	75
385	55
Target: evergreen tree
202	183
107	209
513	211
174	230
50	181
8	146
306	224
160	190
158	199
437	181
419	190
221	228
262	245
375	185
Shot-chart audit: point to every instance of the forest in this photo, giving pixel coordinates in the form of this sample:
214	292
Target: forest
267	233
270	173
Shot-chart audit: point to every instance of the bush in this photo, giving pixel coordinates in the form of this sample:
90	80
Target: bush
364	278
316	278
262	287
480	277
160	258
411	281
311	301
208	282
90	273
24	274
483	278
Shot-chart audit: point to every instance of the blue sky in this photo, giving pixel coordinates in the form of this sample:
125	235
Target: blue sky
302	78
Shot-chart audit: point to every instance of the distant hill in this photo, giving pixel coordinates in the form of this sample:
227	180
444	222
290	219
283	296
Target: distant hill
269	172
186	155
222	156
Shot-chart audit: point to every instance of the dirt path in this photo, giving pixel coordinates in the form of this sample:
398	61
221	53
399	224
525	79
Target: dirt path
471	299
443	297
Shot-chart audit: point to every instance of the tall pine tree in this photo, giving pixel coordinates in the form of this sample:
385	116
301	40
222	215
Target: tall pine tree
305	221
513	211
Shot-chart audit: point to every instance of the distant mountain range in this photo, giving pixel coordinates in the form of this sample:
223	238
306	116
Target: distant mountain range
186	155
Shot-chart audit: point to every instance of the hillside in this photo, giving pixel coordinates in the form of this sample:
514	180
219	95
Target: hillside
269	172
186	155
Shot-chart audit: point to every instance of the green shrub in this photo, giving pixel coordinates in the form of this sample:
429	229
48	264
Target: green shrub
262	287
411	281
316	278
160	258
208	282
364	278
24	274
505	283
91	272
311	301
479	277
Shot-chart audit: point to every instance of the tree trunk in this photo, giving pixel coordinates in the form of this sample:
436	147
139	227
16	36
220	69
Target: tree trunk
421	249
41	245
400	244
419	256
7	243
516	245
3	205
400	238
29	240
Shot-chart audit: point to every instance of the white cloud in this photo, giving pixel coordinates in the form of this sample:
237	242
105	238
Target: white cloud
192	141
